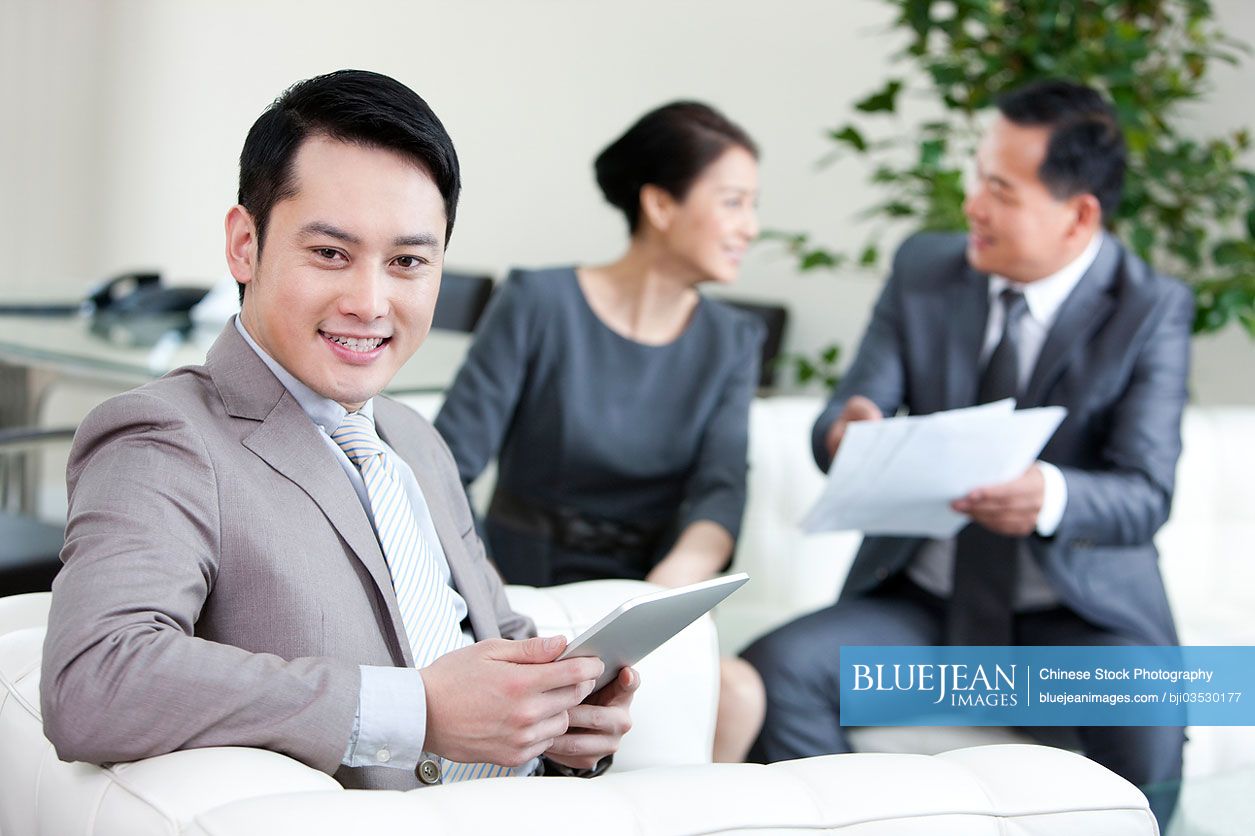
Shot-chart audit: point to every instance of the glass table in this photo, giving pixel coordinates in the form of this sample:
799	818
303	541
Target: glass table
1216	805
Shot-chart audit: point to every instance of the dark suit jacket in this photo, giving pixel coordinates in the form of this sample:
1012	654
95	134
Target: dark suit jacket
222	581
1117	357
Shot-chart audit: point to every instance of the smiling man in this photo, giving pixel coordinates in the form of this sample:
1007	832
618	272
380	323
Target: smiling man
262	551
1039	304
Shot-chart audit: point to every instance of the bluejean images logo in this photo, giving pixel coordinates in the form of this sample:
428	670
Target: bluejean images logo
1048	686
958	685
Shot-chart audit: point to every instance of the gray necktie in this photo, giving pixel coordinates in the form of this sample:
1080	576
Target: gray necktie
1002	376
980	610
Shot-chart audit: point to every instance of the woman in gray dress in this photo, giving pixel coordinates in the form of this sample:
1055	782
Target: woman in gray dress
616	397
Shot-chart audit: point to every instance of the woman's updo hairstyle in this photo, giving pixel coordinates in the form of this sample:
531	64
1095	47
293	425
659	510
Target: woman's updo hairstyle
668	148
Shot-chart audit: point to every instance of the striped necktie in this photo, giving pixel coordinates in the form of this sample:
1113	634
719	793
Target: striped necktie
426	601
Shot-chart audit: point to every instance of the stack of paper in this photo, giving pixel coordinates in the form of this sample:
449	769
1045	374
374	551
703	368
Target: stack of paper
898	476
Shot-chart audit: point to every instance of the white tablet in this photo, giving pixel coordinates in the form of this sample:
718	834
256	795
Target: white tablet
637	627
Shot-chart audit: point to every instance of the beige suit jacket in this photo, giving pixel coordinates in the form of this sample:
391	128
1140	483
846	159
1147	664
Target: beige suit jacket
222	582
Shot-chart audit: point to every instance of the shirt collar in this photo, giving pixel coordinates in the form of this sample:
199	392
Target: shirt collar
324	412
1046	296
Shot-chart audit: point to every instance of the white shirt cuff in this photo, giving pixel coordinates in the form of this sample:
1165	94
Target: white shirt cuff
1054	500
391	723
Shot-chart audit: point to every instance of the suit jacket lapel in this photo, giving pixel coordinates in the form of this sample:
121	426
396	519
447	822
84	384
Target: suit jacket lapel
290	443
466	579
964	320
1085	309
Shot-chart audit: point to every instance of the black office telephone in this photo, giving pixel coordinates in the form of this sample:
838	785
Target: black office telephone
133	294
142	294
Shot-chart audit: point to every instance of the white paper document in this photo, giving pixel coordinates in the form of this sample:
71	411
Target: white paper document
898	476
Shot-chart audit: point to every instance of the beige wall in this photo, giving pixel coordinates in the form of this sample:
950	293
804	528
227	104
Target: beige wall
123	119
50	160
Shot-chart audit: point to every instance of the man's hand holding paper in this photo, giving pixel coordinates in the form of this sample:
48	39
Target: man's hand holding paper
929	475
1010	508
857	408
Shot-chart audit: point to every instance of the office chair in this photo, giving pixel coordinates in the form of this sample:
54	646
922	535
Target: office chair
461	302
775	317
29	547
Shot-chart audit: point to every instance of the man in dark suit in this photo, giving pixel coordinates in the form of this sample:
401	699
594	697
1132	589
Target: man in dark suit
1038	303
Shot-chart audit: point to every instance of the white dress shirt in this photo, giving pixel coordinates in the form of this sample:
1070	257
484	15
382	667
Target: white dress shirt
933	566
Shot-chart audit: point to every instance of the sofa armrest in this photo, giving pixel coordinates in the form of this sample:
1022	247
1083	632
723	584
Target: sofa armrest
22	611
165	794
162	795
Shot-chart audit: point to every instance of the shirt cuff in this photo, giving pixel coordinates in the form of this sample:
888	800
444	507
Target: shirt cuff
391	723
1054	500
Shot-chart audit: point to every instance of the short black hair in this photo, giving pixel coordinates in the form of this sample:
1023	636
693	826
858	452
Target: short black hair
667	147
1086	152
355	106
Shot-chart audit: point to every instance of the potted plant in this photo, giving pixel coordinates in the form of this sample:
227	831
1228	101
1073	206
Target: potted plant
1189	203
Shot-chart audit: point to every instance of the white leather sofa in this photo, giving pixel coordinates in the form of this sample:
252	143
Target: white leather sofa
1003	790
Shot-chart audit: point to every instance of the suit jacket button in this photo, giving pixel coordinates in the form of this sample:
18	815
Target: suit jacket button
428	772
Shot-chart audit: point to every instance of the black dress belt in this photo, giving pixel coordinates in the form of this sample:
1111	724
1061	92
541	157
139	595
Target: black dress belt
573	530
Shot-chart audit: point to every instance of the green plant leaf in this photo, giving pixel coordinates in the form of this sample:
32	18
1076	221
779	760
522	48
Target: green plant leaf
1248	177
850	136
1230	253
884	100
1143	239
818	368
815	259
790	238
930	152
885	174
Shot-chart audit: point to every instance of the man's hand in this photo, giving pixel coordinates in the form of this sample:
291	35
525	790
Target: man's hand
857	408
598	725
504	702
1010	508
